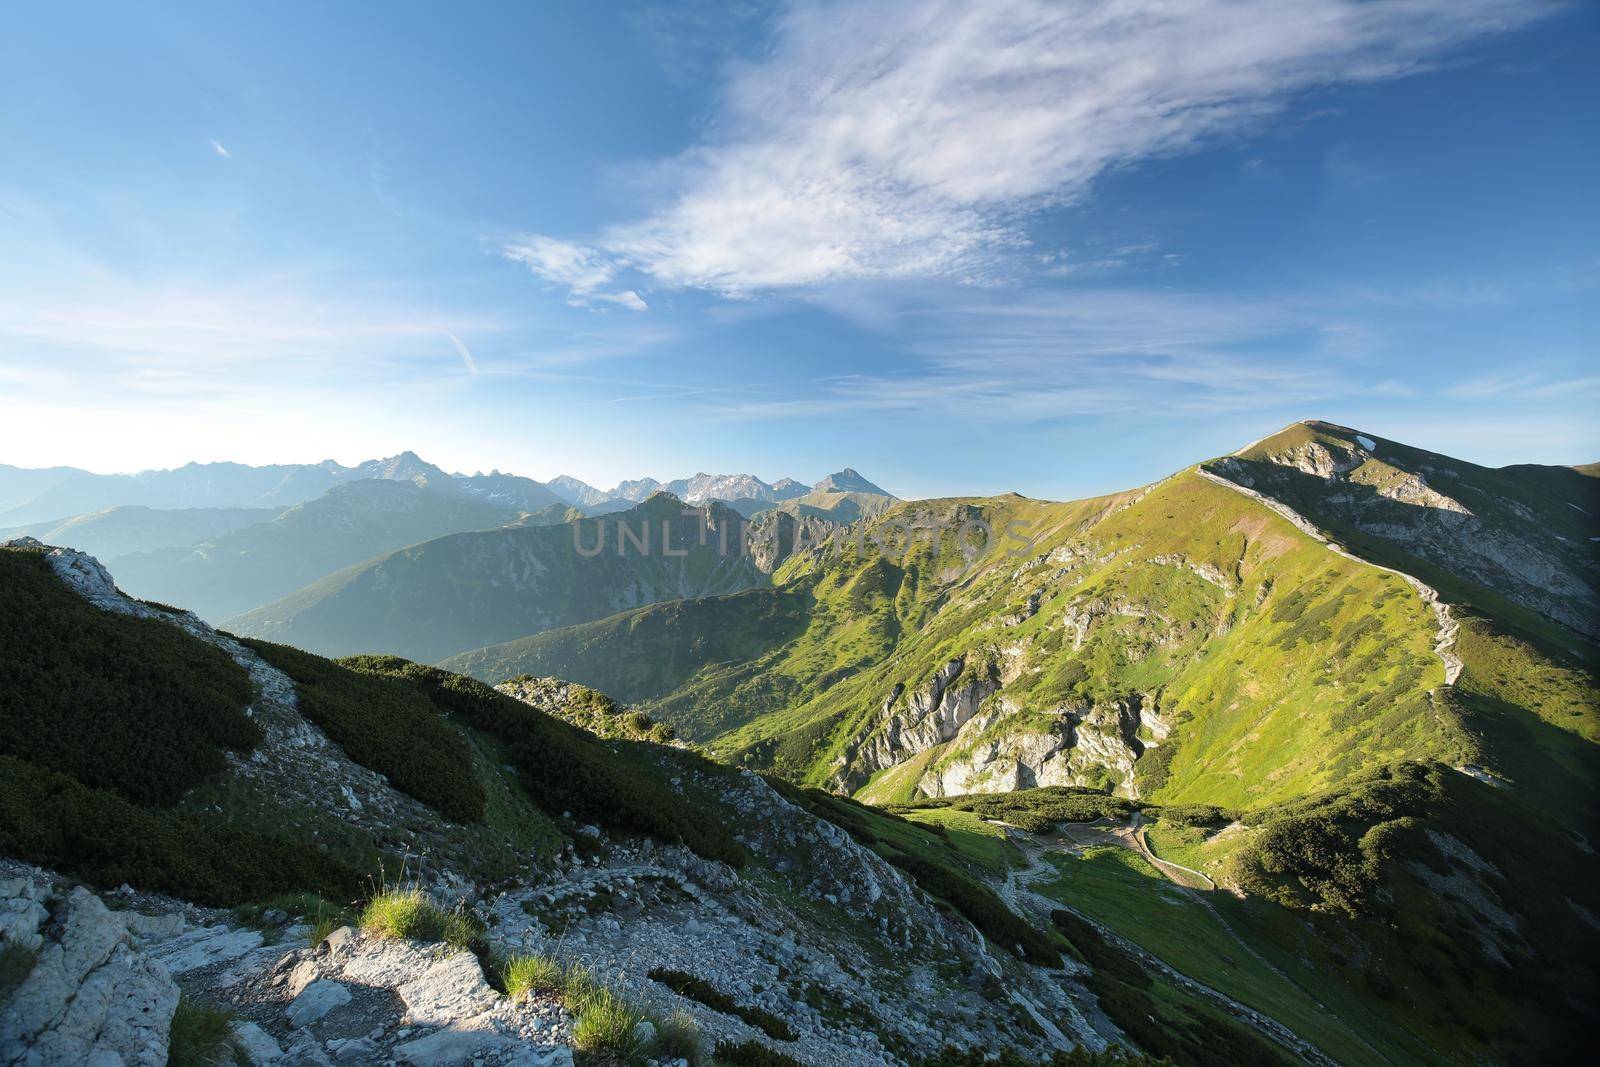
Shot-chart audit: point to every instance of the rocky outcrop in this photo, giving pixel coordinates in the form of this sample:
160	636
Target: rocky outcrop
92	996
774	942
932	715
1082	747
773	536
106	984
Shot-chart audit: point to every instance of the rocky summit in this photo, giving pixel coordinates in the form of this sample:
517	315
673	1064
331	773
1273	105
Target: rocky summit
1285	758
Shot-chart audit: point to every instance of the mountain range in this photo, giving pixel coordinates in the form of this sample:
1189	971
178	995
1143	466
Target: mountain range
236	554
696	490
1155	642
31	496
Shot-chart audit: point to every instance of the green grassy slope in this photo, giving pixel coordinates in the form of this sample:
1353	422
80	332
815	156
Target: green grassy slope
1264	649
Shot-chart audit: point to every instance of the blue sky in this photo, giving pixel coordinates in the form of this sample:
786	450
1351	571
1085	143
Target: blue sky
1053	248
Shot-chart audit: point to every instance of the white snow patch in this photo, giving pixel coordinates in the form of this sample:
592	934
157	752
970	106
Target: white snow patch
1366	442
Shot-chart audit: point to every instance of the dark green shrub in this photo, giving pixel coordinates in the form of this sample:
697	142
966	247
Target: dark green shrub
1204	815
751	1054
117	702
55	821
386	726
687	985
1038	810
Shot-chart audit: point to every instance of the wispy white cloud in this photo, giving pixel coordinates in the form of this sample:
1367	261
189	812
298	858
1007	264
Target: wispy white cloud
216	146
584	272
1524	384
914	138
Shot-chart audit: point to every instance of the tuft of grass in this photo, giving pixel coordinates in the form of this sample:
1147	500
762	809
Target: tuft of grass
202	1035
322	924
526	975
579	988
409	914
678	1038
605	1029
605	1019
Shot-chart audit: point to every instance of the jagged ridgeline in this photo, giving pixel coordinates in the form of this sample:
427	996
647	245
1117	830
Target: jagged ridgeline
137	745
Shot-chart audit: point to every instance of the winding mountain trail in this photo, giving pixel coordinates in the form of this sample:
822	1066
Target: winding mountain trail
1444	644
1018	893
1167	867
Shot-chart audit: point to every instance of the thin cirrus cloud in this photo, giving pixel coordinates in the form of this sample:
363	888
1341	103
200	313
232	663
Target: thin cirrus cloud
465	353
912	139
217	147
1040	354
152	340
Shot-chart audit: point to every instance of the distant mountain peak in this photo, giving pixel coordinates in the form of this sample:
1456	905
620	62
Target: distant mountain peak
576	491
403	467
849	480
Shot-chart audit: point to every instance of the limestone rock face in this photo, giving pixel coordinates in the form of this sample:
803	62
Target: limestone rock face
932	715
1077	747
93	997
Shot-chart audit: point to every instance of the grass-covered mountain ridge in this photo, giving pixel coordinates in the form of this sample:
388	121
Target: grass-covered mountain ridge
1204	639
